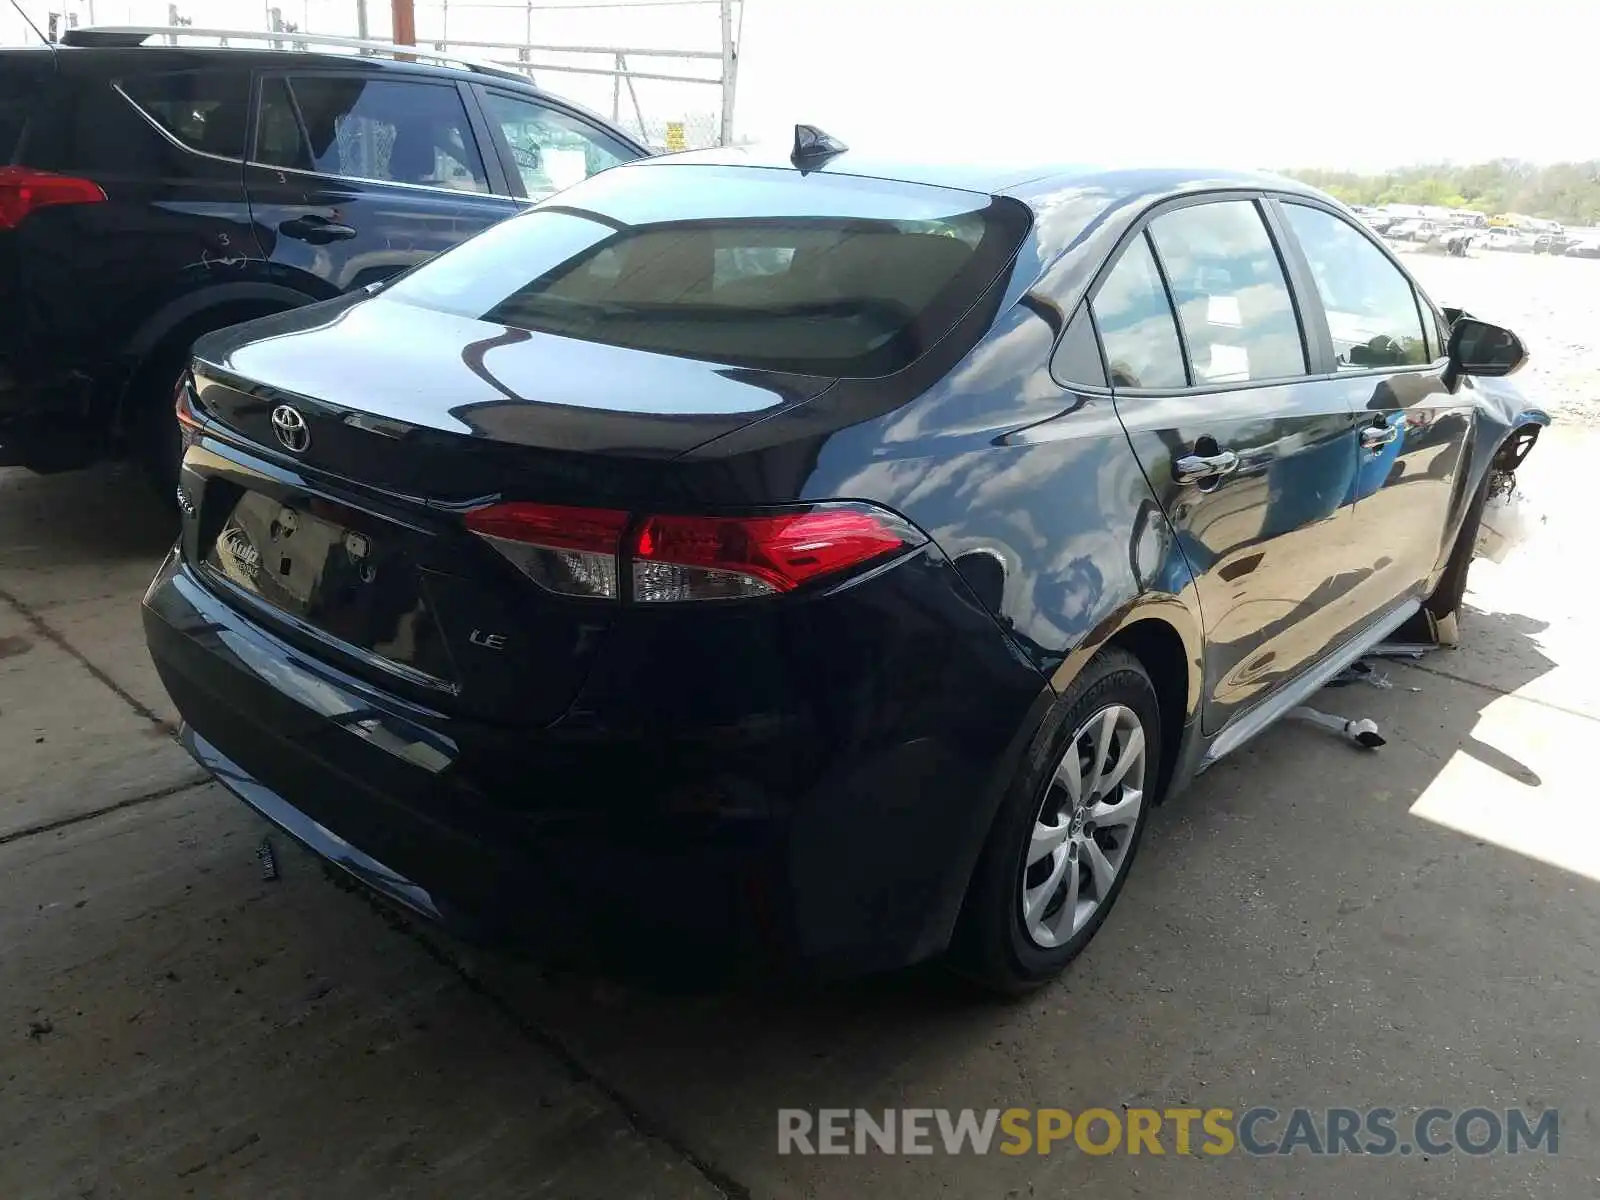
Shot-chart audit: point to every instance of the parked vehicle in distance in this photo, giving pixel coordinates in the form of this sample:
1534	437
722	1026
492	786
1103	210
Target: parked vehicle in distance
154	193
1507	239
1414	231
811	557
1552	243
1584	249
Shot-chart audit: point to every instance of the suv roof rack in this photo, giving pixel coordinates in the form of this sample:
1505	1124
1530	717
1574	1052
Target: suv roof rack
137	35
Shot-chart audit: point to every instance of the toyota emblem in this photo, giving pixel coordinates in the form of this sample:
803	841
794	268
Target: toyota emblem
291	428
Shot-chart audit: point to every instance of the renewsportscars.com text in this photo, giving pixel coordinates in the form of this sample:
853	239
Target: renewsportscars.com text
1258	1130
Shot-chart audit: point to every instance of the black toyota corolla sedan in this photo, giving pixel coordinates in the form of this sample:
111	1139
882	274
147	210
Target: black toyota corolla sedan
813	559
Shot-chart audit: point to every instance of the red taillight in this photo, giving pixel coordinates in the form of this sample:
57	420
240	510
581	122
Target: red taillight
709	558
578	551
568	550
23	189
189	424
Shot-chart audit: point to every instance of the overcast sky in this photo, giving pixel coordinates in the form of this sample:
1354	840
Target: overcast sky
1358	83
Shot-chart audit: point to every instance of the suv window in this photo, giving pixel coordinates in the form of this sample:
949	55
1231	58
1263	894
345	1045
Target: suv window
1232	299
552	150
375	129
1136	325
204	110
1372	312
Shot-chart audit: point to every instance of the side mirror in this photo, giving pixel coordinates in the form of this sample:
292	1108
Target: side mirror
1479	348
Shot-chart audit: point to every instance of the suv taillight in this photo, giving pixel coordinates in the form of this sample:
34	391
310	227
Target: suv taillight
22	190
580	551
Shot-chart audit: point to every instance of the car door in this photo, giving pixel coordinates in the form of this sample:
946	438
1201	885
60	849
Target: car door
1389	364
355	177
1253	468
544	148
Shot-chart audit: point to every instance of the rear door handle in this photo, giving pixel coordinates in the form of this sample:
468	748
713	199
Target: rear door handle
319	231
1374	436
1196	468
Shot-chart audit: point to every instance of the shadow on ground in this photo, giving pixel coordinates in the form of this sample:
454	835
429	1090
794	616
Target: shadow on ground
1293	934
98	517
1308	925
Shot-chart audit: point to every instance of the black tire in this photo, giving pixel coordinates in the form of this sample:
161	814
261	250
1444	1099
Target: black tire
1452	586
992	945
153	434
151	424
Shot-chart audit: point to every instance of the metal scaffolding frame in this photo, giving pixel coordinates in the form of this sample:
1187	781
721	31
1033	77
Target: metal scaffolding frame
507	56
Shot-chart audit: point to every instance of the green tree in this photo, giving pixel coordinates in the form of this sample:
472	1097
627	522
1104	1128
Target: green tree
1566	192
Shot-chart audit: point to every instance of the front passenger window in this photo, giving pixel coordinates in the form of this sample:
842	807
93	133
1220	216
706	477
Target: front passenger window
551	150
1372	312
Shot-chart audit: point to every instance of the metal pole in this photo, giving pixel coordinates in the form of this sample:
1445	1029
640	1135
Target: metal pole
730	71
638	110
361	18
172	19
405	22
616	93
527	38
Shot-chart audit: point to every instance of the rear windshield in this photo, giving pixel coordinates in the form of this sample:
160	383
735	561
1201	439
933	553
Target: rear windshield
841	277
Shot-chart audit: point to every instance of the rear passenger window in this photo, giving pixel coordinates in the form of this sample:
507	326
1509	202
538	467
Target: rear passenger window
1135	320
205	110
1372	311
381	130
1230	292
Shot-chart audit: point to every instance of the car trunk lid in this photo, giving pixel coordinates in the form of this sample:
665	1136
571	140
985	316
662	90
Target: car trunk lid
346	532
469	408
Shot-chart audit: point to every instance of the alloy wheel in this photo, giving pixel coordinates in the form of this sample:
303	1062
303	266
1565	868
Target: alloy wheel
1085	827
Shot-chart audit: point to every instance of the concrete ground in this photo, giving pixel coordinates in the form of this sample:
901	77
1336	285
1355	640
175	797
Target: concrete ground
1309	925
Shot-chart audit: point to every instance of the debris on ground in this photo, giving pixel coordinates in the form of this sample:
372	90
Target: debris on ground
1361	671
269	862
37	1029
1402	649
1360	730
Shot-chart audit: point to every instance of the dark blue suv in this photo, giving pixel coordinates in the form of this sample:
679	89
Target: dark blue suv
150	194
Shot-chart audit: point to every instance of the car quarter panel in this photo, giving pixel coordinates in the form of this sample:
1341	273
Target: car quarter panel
1028	486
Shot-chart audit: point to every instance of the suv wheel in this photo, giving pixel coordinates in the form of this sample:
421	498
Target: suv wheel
153	436
153	431
1066	835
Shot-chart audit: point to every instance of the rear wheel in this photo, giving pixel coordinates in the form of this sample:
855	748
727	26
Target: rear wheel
152	426
153	431
1066	835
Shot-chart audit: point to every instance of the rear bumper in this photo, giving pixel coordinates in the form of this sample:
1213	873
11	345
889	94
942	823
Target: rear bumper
607	837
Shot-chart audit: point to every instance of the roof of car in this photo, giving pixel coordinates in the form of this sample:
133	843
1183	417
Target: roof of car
159	57
1030	182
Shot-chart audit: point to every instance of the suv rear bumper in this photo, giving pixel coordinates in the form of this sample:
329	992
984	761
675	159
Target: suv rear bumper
592	844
